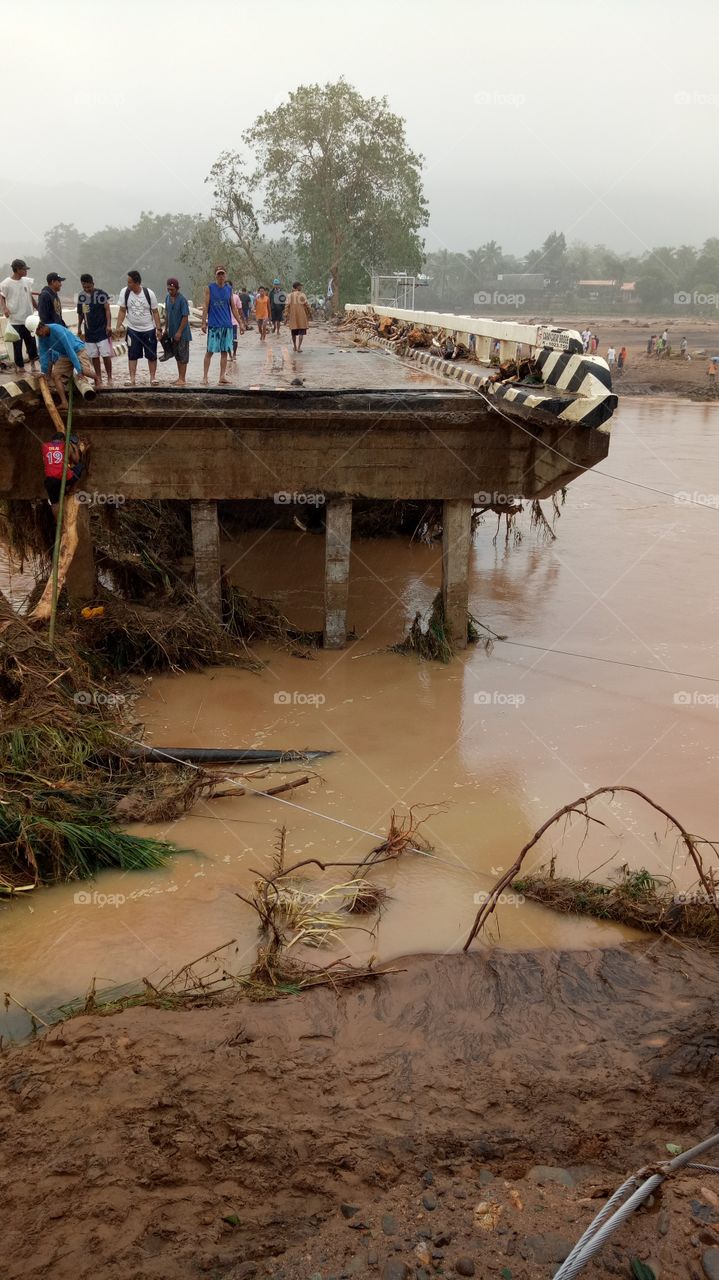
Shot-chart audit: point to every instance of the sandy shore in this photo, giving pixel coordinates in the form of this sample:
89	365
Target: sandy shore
646	375
357	1133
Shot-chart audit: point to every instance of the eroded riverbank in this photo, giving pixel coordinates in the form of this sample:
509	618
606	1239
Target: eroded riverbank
224	1141
502	739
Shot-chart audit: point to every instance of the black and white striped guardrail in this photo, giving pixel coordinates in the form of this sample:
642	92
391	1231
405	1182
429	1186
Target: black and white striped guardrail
583	384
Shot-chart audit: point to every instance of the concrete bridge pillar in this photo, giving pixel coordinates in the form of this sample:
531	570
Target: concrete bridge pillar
456	541
206	548
507	350
338	538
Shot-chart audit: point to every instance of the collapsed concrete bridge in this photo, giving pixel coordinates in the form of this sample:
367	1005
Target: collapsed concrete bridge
363	424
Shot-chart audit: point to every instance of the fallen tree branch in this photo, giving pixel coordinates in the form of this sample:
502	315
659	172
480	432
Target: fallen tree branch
579	807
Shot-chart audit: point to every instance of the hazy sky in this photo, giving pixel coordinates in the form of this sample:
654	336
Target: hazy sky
601	120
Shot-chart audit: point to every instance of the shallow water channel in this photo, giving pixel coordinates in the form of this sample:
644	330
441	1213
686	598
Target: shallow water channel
498	741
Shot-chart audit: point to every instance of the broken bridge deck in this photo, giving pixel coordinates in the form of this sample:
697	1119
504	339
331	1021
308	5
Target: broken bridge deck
363	423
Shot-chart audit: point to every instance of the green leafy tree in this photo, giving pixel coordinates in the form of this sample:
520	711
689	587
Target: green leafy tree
338	175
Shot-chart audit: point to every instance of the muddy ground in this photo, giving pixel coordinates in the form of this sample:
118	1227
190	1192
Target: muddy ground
357	1133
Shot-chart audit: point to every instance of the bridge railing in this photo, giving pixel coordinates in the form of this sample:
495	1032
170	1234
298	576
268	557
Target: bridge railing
481	334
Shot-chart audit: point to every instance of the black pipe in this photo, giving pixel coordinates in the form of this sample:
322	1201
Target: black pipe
216	755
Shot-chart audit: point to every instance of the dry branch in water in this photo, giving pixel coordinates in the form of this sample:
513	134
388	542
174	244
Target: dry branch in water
580	807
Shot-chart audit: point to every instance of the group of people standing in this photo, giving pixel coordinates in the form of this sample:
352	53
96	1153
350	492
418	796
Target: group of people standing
615	360
225	314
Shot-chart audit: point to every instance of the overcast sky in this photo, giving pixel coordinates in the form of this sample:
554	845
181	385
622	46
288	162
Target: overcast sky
601	120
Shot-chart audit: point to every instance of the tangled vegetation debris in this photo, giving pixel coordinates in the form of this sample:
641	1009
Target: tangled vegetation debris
430	641
293	912
638	898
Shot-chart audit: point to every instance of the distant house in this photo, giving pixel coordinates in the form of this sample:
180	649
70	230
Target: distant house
597	286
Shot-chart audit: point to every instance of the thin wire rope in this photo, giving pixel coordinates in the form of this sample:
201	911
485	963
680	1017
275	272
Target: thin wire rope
616	662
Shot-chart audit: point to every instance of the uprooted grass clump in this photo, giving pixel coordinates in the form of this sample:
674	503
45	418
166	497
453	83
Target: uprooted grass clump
63	772
68	770
638	899
292	913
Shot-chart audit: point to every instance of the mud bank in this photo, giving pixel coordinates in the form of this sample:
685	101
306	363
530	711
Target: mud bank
224	1141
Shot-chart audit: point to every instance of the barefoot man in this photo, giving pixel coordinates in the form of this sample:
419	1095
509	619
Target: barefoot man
298	315
93	314
177	312
139	304
219	313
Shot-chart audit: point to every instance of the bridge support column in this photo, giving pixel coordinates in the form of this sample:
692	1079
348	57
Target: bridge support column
507	350
456	541
206	548
338	538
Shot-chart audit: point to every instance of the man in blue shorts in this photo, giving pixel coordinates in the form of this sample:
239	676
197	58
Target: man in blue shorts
217	320
139	304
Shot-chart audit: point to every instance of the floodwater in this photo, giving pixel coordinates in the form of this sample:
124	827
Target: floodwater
496	742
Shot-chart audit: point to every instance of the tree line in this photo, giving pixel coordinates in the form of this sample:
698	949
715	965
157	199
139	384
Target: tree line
661	275
333	173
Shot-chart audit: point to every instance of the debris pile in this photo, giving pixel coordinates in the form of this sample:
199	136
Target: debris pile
404	335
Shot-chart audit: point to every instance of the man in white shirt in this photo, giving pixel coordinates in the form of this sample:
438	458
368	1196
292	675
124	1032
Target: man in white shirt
17	304
139	304
611	356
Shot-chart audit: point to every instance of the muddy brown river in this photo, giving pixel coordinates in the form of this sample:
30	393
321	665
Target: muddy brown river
498	740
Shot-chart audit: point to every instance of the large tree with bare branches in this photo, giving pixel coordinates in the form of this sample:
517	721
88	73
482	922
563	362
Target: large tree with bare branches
338	175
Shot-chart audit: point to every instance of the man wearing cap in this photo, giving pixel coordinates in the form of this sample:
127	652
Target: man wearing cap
49	306
17	305
217	320
278	300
